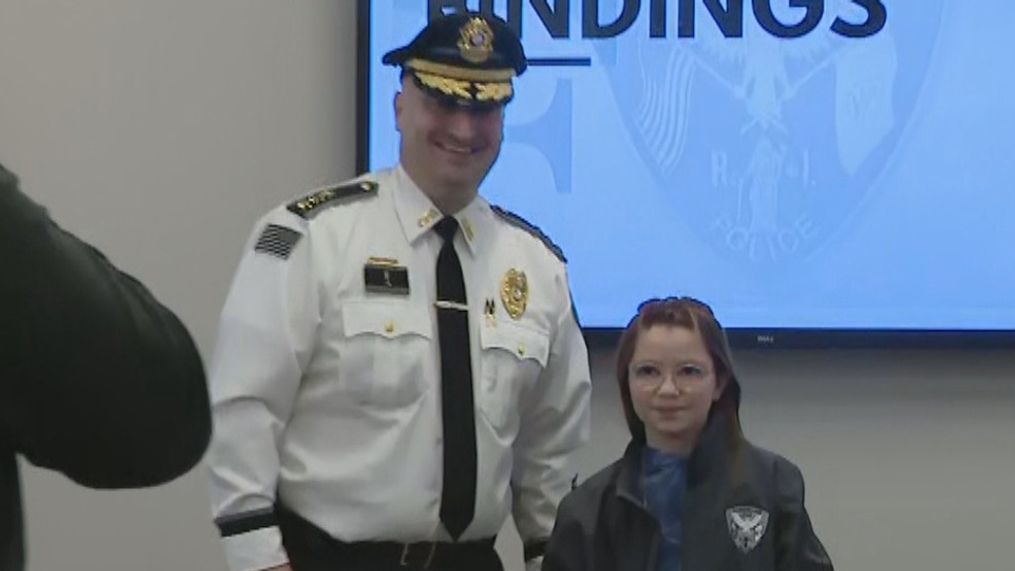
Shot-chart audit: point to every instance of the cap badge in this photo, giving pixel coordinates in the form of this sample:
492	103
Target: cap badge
475	41
514	292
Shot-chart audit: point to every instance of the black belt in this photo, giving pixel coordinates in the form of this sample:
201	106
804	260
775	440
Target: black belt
421	555
306	543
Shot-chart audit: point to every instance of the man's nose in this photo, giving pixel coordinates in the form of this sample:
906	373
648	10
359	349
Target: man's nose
461	123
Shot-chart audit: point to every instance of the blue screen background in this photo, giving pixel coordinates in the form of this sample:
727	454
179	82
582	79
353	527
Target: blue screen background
819	182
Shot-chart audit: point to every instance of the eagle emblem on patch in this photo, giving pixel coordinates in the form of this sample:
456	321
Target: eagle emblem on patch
747	525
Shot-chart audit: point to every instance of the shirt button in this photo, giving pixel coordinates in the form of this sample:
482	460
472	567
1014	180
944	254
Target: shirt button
389	327
521	349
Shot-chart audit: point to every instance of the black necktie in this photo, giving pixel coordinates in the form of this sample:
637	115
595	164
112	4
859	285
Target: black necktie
458	494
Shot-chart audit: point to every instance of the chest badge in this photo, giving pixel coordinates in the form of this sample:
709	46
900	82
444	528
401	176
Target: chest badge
747	525
514	292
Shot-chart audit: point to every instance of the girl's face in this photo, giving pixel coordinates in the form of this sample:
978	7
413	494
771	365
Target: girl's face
673	385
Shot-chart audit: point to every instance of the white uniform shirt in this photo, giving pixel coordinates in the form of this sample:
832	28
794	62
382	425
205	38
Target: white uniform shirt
330	394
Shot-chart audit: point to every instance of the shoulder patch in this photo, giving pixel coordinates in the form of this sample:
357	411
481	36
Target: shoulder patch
515	220
311	204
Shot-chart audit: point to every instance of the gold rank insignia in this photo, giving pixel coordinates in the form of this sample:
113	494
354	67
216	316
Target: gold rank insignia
514	292
427	217
467	228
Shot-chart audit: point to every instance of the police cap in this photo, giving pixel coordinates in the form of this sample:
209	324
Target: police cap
464	57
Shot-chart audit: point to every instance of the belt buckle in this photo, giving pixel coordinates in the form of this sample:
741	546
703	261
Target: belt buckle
407	548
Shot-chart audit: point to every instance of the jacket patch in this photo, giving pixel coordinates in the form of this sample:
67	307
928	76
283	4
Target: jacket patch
747	525
277	241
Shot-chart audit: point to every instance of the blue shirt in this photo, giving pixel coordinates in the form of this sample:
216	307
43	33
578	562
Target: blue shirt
664	475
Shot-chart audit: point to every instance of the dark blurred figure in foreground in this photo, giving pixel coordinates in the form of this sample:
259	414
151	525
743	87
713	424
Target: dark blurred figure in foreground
98	380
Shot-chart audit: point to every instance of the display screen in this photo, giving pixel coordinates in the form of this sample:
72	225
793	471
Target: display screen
809	166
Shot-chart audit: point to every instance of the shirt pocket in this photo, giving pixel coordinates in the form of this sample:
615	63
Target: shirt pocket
383	356
512	357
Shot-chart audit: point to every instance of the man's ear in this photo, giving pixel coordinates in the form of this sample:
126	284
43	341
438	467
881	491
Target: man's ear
397	105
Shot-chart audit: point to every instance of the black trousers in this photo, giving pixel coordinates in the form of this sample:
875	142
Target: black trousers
310	548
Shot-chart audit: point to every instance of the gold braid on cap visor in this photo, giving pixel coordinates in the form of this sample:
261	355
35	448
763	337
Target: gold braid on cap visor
463	89
493	91
456	72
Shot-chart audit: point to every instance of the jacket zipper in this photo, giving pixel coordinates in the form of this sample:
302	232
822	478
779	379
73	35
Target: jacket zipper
653	557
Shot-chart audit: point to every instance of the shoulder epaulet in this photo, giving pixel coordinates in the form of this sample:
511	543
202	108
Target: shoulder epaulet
515	220
310	205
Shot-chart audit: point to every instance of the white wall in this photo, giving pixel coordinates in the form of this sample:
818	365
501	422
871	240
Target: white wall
160	130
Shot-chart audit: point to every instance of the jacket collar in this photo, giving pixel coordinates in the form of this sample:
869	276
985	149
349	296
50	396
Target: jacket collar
711	458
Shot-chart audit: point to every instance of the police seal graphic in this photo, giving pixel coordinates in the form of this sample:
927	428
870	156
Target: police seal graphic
747	525
766	145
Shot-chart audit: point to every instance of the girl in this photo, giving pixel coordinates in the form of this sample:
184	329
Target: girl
690	493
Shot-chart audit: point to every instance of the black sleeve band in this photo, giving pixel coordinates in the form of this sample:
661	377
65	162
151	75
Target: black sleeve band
242	523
